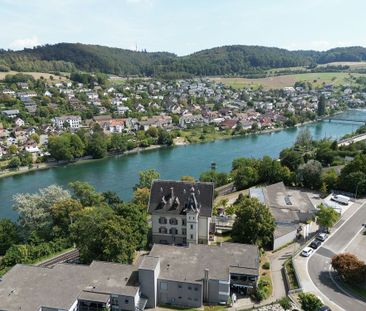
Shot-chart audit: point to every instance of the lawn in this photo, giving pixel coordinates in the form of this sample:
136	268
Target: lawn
36	75
277	82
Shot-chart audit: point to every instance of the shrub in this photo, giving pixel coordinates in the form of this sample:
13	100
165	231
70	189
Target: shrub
309	302
266	265
285	303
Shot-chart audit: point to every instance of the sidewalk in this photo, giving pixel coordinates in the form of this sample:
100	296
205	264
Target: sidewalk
301	263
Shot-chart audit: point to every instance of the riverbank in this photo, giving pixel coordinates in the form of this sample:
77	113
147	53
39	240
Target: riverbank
179	141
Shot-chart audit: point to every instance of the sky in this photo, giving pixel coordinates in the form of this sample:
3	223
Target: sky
183	26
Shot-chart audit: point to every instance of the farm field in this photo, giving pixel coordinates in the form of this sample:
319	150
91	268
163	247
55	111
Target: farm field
36	75
278	82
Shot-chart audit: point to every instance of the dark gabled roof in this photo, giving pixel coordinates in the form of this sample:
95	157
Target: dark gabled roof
177	197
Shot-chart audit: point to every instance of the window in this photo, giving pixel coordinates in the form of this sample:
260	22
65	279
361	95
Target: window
163	285
191	236
114	301
184	222
184	231
191	227
189	288
179	286
196	288
173	231
163	230
179	297
126	301
162	220
173	221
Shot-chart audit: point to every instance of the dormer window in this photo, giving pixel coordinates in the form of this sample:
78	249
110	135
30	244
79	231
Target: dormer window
163	221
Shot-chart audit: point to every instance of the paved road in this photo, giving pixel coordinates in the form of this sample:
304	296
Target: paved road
319	263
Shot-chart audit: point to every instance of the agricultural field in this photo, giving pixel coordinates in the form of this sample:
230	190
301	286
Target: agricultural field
277	82
36	75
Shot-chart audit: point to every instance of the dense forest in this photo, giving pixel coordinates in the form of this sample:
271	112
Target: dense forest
226	60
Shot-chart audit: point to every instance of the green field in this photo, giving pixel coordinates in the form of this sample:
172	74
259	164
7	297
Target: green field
277	82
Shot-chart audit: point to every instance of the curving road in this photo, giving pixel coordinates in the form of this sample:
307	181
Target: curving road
319	263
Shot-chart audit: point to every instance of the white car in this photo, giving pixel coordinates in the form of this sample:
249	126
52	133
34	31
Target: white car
307	251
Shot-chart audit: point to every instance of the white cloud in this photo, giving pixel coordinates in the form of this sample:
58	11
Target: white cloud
24	43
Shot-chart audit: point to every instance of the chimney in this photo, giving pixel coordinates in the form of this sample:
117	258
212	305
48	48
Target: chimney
172	192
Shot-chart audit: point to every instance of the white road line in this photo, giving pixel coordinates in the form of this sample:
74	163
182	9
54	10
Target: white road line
349	243
340	287
307	260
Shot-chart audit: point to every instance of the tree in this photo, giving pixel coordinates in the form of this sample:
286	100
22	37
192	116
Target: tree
35	137
187	178
63	213
349	267
164	138
324	189
77	146
35	209
97	146
146	178
304	138
309	302
291	158
330	179
219	179
100	234
245	177
14	163
309	174
141	197
118	143
8	235
59	148
13	149
321	105
254	223
326	216
85	193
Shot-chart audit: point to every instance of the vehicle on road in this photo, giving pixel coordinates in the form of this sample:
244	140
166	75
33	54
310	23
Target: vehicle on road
321	237
324	308
342	199
315	244
307	251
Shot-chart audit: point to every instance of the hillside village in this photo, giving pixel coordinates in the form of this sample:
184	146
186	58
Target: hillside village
33	110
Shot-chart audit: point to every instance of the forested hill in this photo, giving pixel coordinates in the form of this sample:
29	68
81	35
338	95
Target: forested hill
227	60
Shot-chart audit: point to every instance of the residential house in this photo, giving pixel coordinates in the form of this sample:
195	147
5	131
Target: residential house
192	120
12	113
73	122
19	122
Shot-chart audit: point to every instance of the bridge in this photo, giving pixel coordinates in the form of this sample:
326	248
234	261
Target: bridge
346	120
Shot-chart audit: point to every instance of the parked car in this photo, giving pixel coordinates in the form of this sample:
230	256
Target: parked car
321	237
325	308
315	244
307	251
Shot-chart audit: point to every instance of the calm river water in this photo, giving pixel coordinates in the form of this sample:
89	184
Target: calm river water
120	173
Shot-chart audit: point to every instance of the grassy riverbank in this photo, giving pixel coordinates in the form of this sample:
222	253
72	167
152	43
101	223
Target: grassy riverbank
187	136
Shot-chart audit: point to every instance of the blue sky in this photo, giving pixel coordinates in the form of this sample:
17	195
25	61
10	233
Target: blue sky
184	26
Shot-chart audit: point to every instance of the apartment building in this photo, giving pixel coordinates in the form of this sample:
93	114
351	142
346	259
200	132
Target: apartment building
170	275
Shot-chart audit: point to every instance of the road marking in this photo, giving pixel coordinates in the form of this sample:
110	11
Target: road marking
349	243
341	288
307	260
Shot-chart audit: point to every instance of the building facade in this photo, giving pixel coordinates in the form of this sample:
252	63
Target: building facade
181	212
170	275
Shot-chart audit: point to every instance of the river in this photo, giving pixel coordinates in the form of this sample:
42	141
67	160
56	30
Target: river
120	173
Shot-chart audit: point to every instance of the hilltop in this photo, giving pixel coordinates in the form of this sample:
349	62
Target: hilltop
226	60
